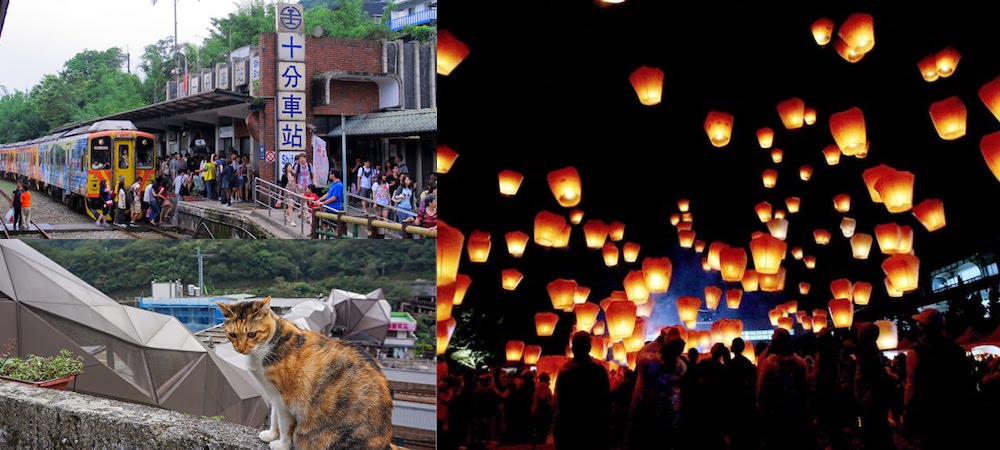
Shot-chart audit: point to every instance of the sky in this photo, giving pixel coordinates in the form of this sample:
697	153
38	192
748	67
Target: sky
556	94
39	36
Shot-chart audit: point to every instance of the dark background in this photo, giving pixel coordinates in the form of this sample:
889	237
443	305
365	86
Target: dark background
546	86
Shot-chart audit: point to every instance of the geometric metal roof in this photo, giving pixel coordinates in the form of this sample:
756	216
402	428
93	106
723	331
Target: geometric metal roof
365	317
390	124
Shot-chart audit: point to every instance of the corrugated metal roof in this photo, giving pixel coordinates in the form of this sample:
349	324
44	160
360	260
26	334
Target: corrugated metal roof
420	416
388	124
411	376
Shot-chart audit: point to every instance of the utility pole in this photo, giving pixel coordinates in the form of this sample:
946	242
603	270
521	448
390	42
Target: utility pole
201	269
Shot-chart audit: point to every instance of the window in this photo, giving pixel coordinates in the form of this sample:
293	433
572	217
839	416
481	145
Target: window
144	153
123	156
100	153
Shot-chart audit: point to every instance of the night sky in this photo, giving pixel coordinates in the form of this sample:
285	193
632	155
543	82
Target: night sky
546	86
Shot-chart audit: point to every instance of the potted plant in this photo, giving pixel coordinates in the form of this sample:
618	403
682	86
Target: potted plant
54	372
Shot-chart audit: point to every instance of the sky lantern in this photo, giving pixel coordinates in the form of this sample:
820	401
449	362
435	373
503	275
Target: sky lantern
733	298
561	292
791	112
687	217
772	283
842	288
445	157
531	354
842	312
460	286
731	329
809	116
450	52
990	95
699	245
548	228
842	202
785	322
445	328
683	205
565	185
861	245
810	261
685	238
807	323
618	352
715	254
675	219
862	293
545	323
514	351
779	214
769	177
635	287
630	251
765	137
804	288
516	243
479	246
599	347
949	116
778	228
791	307
888	337
846	52
687	308
645	309
889	236
793	204
930	213
580	295
858	32
510	278
648	84
631	359
445	301
616	231
819	323
610	253
596	232
719	127
599	328
797	253
767	251
890	289
620	320
657	273
586	315
510	182
946	61
774	315
806	172
928	68
821	236
905	239
576	216
562	239
990	146
896	190
750	281
776	155
902	271
449	252
713	295
832	155
871	176
705	339
763	210
847	226
822	31
733	263
848	130
637	340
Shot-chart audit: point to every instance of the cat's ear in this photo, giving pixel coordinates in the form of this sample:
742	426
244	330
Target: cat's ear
265	304
226	311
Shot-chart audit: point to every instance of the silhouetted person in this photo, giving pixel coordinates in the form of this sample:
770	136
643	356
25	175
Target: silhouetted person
656	400
782	396
541	410
743	376
704	393
873	389
829	379
583	400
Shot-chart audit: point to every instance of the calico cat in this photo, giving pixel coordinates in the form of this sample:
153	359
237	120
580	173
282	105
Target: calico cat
325	394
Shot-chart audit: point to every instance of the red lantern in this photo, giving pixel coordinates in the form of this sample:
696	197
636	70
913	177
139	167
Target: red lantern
610	254
450	52
842	288
683	205
847	226
510	278
765	137
685	238
928	68
449	252
848	129
699	246
810	116
586	315
793	204
516	243
858	32
562	292
750	280
889	237
777	155
806	171
645	309
930	213
791	112
445	301
531	354
733	264
990	146
990	95
657	273
778	228
514	351
949	116
549	228
675	218
545	323
842	203
648	84
862	293
479	246
768	252
810	262
719	127
902	271
779	214
687	308
846	52
733	298
890	290
763	210
896	190
580	295
821	236
774	315
620	320
797	253
635	287
715	254
772	283
575	216
905	239
630	251
565	185
804	288
822	31
616	231
445	328
445	158
947	61
712	297
785	322
510	182
769	177
871	176
842	312
595	231
832	155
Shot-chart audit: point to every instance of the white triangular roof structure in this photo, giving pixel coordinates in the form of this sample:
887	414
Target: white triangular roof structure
365	317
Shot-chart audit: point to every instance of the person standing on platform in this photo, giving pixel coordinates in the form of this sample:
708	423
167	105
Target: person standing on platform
16	204
26	210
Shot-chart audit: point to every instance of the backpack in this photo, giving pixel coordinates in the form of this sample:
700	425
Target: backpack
129	197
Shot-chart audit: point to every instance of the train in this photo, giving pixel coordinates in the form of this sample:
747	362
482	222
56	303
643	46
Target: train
70	165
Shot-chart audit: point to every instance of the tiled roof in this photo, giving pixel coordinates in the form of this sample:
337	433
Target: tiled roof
392	123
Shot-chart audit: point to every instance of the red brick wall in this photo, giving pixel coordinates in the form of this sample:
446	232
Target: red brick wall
240	130
350	97
268	66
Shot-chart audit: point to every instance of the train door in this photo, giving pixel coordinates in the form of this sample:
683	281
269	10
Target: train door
124	155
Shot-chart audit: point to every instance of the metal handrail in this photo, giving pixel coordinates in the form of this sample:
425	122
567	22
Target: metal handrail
342	219
267	194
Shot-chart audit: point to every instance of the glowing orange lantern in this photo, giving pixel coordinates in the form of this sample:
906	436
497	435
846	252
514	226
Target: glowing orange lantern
657	273
822	30
575	216
930	213
776	155
685	226
793	204
618	352
648	84
516	243
445	301
548	228
445	328
767	252
847	226
445	158
449	252
990	95
804	288
699	246
713	295
586	315
616	231
861	245
807	323
785	322
715	253
842	288
687	308
842	203
763	210
580	295
902	271
819	322
905	239
531	354
947	61
791	112
687	217
778	228
479	246
683	205
630	251
889	236
719	127
797	253
846	52
620	320
928	68
765	137
774	315
862	293
779	214
769	177
809	116
685	238
832	155
545	323
450	52
675	218
635	287
598	347
949	117
848	130
890	290
635	342
733	264
733	298
810	261
842	312
896	190
565	185
750	280
510	278
858	32
806	171
510	182
645	309
821	236
772	283
610	253
990	147
871	176
562	239
596	232
514	351
561	292
731	329
888	337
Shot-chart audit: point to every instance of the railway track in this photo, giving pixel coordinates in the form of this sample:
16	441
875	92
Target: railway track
6	235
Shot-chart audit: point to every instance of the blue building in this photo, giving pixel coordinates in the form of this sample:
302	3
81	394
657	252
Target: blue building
199	313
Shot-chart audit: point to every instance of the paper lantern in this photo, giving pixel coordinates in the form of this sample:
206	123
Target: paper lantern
797	253
847	226
599	328
445	301
769	178
561	292
846	52
928	68
596	232
657	272
842	288
902	271
890	290
806	171
949	116
809	116
765	137
699	246
767	252
445	159
862	293
858	32
821	236
772	283
810	262
819	323
675	218
946	61
719	127
774	315
616	231
731	329
565	185
750	280
705	339
510	182
888	337
733	264
804	288
842	203
990	147
575	216
905	239
445	328
990	95
786	323
635	287
733	298
763	210
715	254
848	130
516	243
861	245
531	354
713	295
618	352
545	323
930	213
842	312
683	205
685	238
807	323
620	320
822	31
630	251
687	308
648	84
636	341
776	155
586	315
514	351
479	246
889	236
562	239
791	112
779	214
778	228
450	52
610	253
645	309
832	155
896	190
793	204
449	252
871	176
548	228
580	295
705	265
510	278
685	226
598	348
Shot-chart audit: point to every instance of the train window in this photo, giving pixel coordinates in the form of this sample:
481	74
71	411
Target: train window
144	153
123	156
100	153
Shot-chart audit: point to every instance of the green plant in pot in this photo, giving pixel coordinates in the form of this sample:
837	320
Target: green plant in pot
55	372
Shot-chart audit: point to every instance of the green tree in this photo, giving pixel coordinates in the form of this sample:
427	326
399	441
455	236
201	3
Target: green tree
158	64
241	28
19	120
348	21
54	101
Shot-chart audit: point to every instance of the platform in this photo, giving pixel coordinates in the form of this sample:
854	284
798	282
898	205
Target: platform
239	215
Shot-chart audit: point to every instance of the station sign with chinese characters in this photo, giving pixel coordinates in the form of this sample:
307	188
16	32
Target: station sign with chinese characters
290	79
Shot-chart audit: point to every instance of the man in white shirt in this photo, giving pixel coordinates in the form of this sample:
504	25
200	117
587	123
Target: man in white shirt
179	181
365	174
147	199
